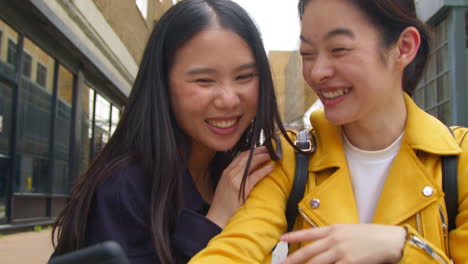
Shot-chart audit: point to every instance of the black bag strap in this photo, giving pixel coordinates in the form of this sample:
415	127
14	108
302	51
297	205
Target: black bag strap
450	186
307	147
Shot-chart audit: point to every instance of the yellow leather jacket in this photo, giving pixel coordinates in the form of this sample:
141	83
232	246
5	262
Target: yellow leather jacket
254	230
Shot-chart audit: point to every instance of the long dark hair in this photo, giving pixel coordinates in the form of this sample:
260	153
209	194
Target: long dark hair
148	134
391	17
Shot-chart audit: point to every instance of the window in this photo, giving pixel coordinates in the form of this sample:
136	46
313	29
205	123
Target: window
115	119
433	91
27	65
466	28
34	116
102	123
143	7
8	40
41	75
1	39
11	53
466	55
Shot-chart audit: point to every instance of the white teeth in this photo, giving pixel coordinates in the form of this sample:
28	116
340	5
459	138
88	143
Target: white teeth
335	94
222	124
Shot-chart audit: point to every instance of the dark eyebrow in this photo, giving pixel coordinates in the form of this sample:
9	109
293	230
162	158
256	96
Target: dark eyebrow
196	71
247	66
331	34
338	32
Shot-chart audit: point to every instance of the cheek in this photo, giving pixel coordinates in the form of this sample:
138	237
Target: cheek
306	68
252	97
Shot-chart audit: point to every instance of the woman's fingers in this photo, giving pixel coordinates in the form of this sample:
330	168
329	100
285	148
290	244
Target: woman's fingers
317	248
241	158
327	257
257	175
311	234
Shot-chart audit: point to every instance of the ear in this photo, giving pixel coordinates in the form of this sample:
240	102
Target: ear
407	46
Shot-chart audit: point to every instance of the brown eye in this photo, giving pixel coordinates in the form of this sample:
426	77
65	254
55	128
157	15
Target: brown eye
205	81
339	51
245	76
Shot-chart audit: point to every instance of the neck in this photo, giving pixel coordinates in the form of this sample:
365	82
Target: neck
379	130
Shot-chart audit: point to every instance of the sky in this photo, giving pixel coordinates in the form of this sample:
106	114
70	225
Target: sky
277	20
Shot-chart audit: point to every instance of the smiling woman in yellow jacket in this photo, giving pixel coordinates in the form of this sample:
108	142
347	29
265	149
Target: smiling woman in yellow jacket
374	191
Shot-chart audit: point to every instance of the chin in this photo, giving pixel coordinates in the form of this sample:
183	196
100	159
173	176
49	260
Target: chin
336	118
224	147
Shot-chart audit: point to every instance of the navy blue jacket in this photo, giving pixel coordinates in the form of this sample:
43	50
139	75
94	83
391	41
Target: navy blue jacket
120	212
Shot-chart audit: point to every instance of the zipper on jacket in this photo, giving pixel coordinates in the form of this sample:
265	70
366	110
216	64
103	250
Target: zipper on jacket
418	224
307	218
443	219
421	244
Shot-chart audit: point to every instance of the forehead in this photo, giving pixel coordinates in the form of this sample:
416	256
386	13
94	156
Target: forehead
323	18
215	45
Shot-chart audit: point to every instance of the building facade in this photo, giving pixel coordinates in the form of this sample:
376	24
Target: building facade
66	69
293	94
443	91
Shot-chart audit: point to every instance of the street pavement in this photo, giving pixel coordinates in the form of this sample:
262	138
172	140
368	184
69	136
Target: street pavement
26	247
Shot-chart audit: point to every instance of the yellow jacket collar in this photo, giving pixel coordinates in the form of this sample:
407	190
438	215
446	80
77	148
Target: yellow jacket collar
423	132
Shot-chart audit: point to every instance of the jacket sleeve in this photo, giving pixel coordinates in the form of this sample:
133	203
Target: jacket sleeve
120	213
251	234
425	252
192	232
458	238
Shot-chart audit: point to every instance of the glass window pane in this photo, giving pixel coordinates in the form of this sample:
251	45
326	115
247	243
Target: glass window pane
8	35
1	41
6	96
442	59
115	118
11	54
34	117
87	100
42	66
441	32
419	97
466	28
431	94
444	113
431	68
443	88
61	182
6	100
102	122
41	75
27	65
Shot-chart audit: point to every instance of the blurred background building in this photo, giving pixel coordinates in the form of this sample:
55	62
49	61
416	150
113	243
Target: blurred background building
66	68
293	94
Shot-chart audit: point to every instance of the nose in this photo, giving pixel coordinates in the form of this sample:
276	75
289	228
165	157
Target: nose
318	71
228	97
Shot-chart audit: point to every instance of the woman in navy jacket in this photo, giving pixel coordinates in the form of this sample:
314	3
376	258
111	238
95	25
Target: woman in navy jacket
170	176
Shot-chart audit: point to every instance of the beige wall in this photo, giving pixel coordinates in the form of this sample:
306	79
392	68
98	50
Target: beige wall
129	24
294	95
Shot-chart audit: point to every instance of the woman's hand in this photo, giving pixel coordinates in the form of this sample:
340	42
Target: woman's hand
351	243
226	198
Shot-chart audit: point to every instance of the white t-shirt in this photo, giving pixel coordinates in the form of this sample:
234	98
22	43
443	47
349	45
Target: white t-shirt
369	170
